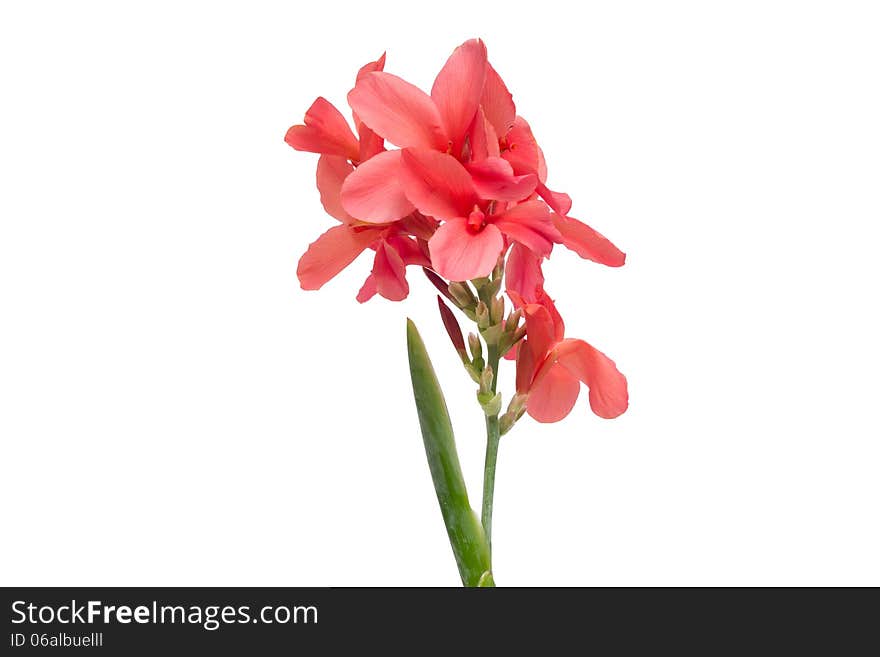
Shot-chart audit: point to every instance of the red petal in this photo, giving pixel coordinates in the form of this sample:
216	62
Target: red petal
494	179
400	112
373	193
608	390
458	88
371	144
553	395
529	224
483	138
389	273
458	254
368	289
522	148
330	254
372	67
332	172
558	201
523	273
436	183
526	364
325	131
498	103
540	329
588	243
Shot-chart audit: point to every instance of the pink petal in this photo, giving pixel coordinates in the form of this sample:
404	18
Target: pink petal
498	103
371	144
368	289
483	139
409	250
325	131
372	67
400	112
522	148
458	254
373	193
332	172
529	224
608	390
523	274
553	395
558	201
540	329
588	243
389	273
436	183
493	178
458	88
331	253
527	362
556	318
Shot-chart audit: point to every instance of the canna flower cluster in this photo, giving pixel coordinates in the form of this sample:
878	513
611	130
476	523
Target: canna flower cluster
455	183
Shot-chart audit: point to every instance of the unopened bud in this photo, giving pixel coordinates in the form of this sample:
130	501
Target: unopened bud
475	345
482	313
505	423
517	406
512	322
461	293
486	380
498	272
496	310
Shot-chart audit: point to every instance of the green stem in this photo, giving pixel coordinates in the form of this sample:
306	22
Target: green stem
493	437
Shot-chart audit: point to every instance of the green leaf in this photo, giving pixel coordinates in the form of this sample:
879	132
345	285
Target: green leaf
462	524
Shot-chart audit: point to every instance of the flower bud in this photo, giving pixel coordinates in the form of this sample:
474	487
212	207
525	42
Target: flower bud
486	380
512	322
475	345
496	310
482	313
452	328
461	293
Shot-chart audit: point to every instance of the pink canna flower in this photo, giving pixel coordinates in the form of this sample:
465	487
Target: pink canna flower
550	368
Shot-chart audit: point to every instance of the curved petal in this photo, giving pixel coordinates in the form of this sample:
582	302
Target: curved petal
523	274
436	183
494	179
558	201
325	131
526	365
497	102
332	172
409	250
608	390
371	67
331	253
521	148
540	329
458	254
458	88
371	144
588	243
372	193
368	289
553	394
483	139
529	224
400	112
389	273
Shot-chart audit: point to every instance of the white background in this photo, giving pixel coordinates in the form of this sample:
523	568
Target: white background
175	410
